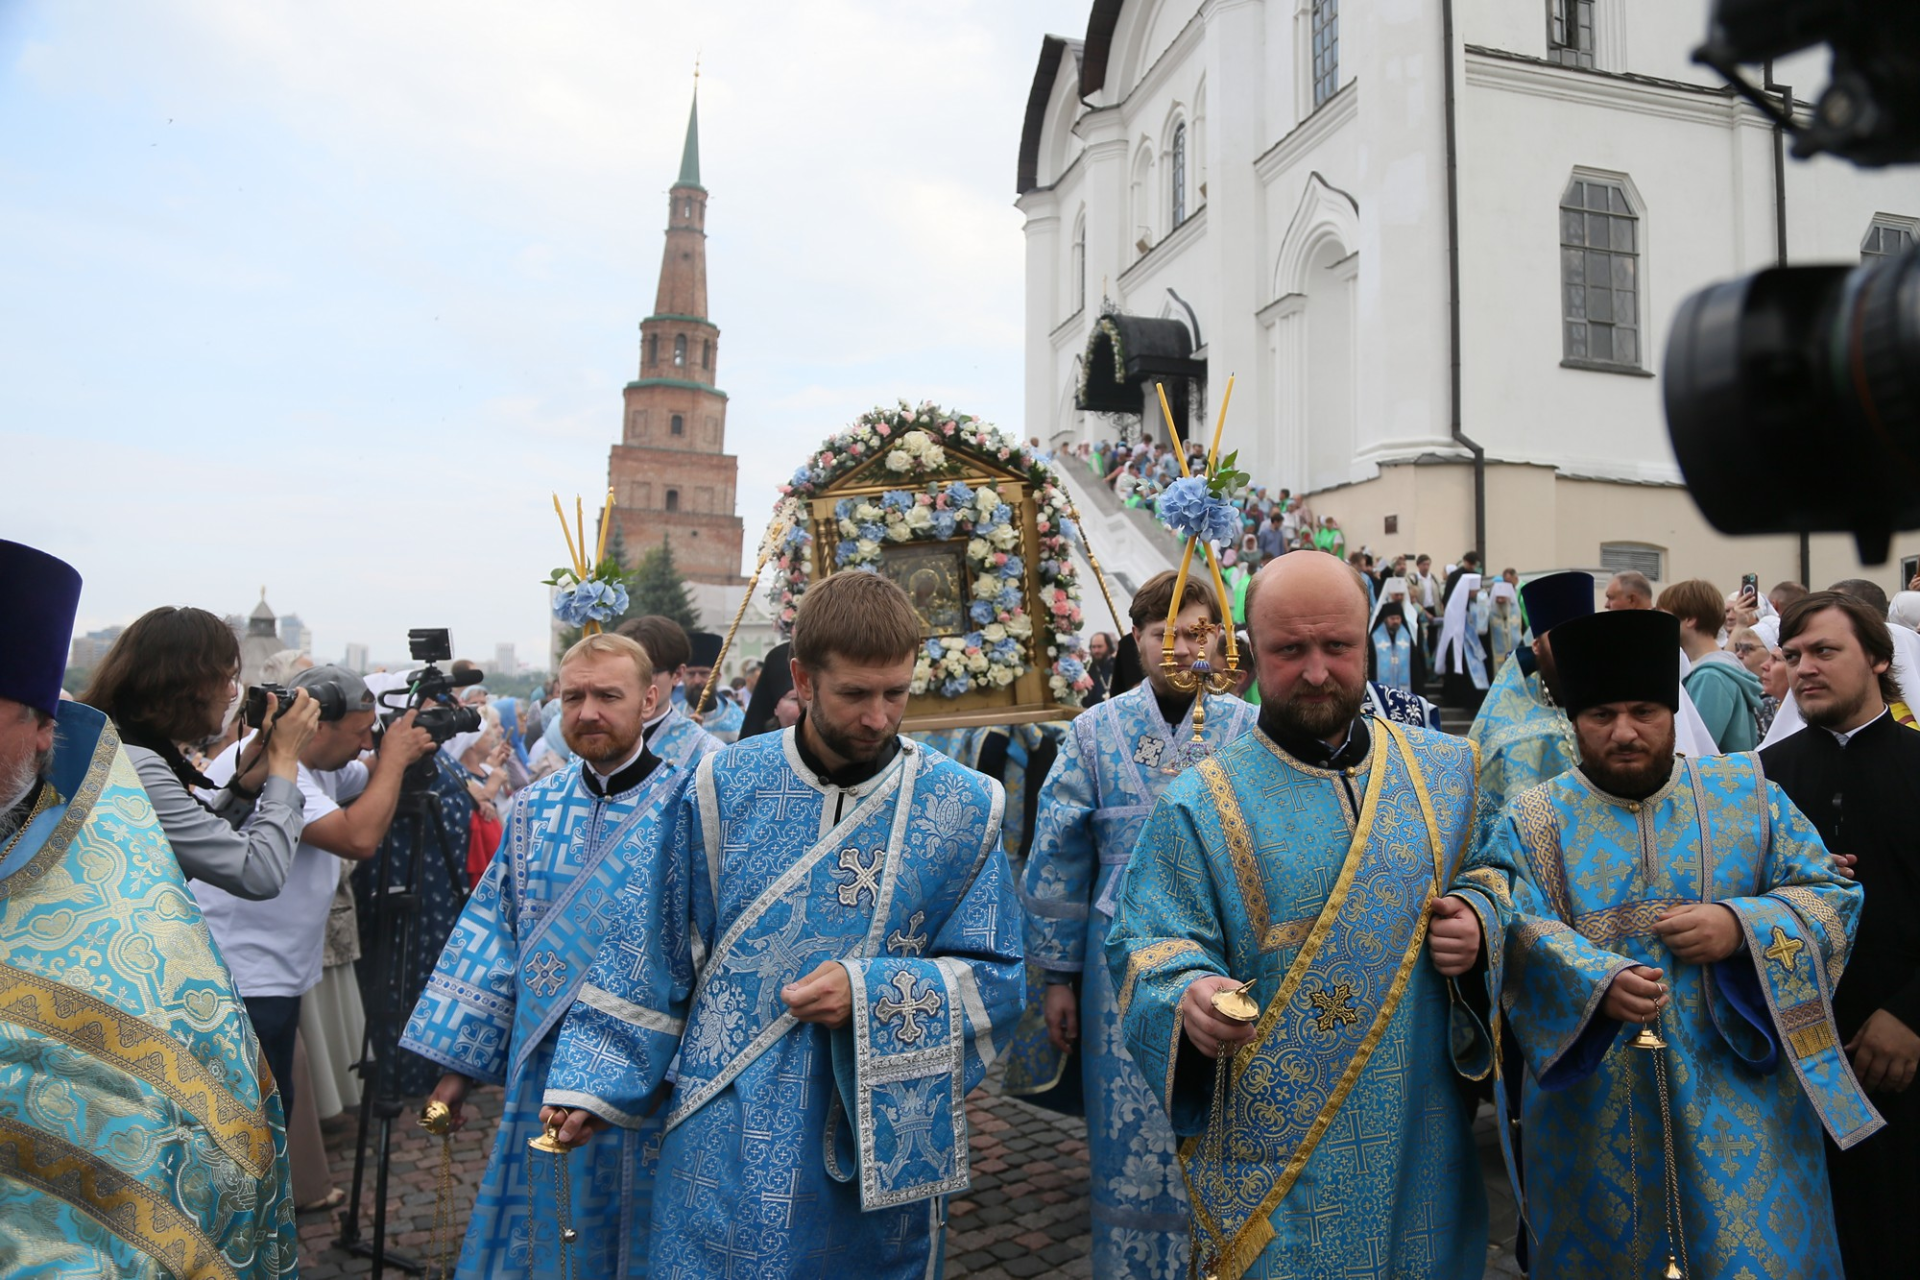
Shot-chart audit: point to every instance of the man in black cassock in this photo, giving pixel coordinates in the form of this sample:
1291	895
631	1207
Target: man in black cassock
1854	771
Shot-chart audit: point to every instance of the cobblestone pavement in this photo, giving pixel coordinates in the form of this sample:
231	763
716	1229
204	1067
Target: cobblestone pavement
1025	1215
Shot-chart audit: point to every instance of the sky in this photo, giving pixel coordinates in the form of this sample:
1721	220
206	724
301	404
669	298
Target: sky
330	299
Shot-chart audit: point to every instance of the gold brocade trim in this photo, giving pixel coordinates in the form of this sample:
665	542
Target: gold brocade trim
1491	882
1812	909
1147	956
1254	1234
79	809
92	1026
124	1206
1628	920
1540	834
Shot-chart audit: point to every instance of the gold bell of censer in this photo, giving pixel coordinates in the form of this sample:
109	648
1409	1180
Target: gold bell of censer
437	1119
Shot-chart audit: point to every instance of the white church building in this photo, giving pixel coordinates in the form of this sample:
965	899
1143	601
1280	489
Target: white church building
1438	242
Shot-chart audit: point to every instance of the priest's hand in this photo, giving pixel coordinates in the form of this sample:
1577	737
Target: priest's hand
1843	864
1062	1010
1703	933
1206	1030
452	1090
1885	1052
572	1127
824	996
1453	936
1635	995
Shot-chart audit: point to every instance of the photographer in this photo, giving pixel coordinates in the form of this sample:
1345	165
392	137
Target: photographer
169	679
274	948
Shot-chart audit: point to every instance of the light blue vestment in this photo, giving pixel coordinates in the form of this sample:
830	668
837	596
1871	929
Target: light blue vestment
515	962
1505	629
1110	772
1347	1147
140	1133
1393	657
1523	738
1567	887
791	1149
682	743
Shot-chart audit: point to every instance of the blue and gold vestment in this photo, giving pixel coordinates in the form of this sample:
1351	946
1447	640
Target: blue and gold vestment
1522	737
140	1134
1567	887
791	1149
1348	1147
681	742
1113	767
571	863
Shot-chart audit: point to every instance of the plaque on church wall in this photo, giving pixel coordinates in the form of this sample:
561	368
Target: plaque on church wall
974	529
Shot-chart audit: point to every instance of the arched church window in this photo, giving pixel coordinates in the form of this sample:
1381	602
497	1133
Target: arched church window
678	426
1599	275
680	351
1178	178
686	209
673	499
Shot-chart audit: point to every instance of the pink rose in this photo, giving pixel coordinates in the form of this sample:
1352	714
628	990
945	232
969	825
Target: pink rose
858	450
884	429
999	557
947	427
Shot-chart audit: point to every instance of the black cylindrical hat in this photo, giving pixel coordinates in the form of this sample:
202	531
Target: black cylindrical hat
1555	598
39	595
1623	655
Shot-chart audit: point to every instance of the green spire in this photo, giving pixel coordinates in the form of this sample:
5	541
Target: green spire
690	157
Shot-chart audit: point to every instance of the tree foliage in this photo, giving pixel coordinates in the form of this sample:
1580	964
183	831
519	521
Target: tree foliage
658	588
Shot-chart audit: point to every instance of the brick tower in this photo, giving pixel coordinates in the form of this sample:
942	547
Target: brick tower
671	476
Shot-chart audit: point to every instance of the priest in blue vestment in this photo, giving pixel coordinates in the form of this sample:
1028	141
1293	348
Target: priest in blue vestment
1119	756
1523	736
672	734
1330	1136
140	1131
581	845
1689	895
857	937
1394	657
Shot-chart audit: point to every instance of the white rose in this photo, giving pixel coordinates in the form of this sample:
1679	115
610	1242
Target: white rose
866	511
897	531
1021	626
918	686
986	587
915	442
920	517
986	499
1006	537
994	633
977	662
848	529
868	548
952	642
977	549
935	457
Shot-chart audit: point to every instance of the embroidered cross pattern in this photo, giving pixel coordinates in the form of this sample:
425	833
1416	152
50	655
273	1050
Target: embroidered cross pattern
1785	950
906	1008
546	973
918	1104
1726	1146
910	941
1334	1008
1147	750
865	876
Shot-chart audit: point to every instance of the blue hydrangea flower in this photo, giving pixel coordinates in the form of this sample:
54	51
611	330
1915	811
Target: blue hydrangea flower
1192	512
868	568
1069	530
873	531
955	685
959	494
801	478
844	552
980	612
1071	669
1012	568
1008	599
974	639
943	524
935	651
1006	651
896	500
843	509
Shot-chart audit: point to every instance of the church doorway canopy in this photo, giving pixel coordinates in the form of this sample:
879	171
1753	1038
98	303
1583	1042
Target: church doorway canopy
1126	355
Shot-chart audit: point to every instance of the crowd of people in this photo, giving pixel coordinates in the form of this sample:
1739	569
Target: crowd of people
759	954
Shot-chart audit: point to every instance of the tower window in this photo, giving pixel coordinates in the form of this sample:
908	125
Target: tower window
1326	49
678	426
1179	176
1570	33
1599	274
706	353
653	348
680	351
686	209
1886	239
673	499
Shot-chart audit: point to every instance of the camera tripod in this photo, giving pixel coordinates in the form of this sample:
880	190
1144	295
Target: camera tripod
394	928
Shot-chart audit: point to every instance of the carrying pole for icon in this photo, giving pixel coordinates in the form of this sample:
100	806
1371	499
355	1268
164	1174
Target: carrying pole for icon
776	533
1080	527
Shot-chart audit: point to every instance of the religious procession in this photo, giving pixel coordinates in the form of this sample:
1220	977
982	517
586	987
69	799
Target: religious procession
1347	766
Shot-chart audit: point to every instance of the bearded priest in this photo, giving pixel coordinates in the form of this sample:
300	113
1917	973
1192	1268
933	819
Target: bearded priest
1689	895
857	936
1330	1136
578	842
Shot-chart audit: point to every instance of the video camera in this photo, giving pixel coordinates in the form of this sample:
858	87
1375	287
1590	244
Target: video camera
1759	367
426	693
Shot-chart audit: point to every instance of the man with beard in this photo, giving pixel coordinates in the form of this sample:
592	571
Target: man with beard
140	1133
1689	895
1855	772
578	842
1116	761
723	716
1298	863
857	936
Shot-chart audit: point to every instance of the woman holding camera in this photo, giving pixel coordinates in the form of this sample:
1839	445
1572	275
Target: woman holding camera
169	679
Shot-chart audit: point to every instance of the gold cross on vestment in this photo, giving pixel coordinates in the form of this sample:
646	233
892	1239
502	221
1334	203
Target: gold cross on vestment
1334	1007
1785	950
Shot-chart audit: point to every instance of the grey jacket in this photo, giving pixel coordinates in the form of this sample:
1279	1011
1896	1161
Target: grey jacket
245	847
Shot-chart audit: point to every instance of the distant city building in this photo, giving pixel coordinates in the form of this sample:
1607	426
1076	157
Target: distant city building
356	659
89	649
261	641
295	634
504	663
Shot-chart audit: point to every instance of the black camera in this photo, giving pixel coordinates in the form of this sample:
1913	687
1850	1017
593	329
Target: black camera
1757	368
331	697
427	693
